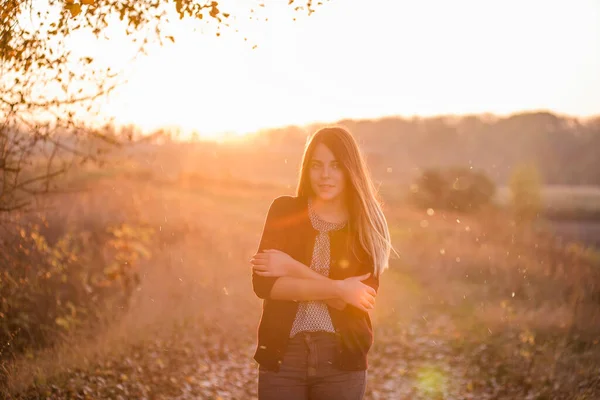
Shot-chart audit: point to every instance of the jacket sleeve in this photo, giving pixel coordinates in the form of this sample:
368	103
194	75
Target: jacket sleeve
368	266
372	281
272	236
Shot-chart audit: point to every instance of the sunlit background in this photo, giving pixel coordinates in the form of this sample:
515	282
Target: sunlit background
131	277
362	59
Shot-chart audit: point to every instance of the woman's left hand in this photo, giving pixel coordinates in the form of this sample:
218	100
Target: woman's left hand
272	263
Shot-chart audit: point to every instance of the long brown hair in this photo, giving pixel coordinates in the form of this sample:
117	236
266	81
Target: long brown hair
367	222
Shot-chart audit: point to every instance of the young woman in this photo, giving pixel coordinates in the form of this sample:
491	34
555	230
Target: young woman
317	268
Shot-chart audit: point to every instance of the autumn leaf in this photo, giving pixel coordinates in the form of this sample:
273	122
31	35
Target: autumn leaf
62	322
74	9
87	2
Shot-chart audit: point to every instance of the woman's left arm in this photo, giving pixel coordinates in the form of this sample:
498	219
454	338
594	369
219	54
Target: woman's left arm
302	271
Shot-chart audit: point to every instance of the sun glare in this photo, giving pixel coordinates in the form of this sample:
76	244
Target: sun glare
391	58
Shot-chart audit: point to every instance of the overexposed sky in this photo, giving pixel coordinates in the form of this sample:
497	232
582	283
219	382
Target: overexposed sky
354	59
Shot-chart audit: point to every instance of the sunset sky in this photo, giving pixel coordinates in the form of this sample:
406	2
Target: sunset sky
367	59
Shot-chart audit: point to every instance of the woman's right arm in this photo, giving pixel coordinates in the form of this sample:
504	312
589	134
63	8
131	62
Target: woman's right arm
272	234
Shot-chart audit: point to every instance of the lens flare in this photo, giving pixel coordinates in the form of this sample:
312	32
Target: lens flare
431	381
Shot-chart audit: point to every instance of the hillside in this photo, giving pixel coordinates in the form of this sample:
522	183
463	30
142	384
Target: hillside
564	149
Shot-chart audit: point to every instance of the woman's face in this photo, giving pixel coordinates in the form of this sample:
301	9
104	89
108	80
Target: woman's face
327	177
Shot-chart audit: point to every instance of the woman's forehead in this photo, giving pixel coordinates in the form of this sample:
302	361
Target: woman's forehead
322	153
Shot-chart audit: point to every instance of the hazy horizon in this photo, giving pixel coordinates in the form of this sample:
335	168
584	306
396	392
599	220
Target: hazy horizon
183	135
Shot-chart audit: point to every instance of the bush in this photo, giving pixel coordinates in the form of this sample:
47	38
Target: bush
458	188
51	286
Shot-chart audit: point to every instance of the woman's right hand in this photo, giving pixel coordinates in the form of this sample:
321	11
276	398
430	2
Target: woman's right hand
356	293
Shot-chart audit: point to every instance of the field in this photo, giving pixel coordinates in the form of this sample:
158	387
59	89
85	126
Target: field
562	200
474	307
142	143
571	212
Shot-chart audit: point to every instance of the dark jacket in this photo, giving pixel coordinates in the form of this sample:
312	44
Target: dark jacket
288	228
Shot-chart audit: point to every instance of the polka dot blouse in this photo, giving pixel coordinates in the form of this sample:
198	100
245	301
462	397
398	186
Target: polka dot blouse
314	316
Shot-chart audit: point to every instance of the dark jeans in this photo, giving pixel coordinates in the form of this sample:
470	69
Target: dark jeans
307	373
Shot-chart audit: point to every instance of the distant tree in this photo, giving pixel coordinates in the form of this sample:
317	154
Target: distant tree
433	185
526	192
46	89
457	188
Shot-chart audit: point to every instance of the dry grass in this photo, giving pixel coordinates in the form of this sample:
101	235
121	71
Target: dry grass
453	285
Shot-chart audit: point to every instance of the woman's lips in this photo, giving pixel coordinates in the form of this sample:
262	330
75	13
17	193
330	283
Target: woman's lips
325	187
